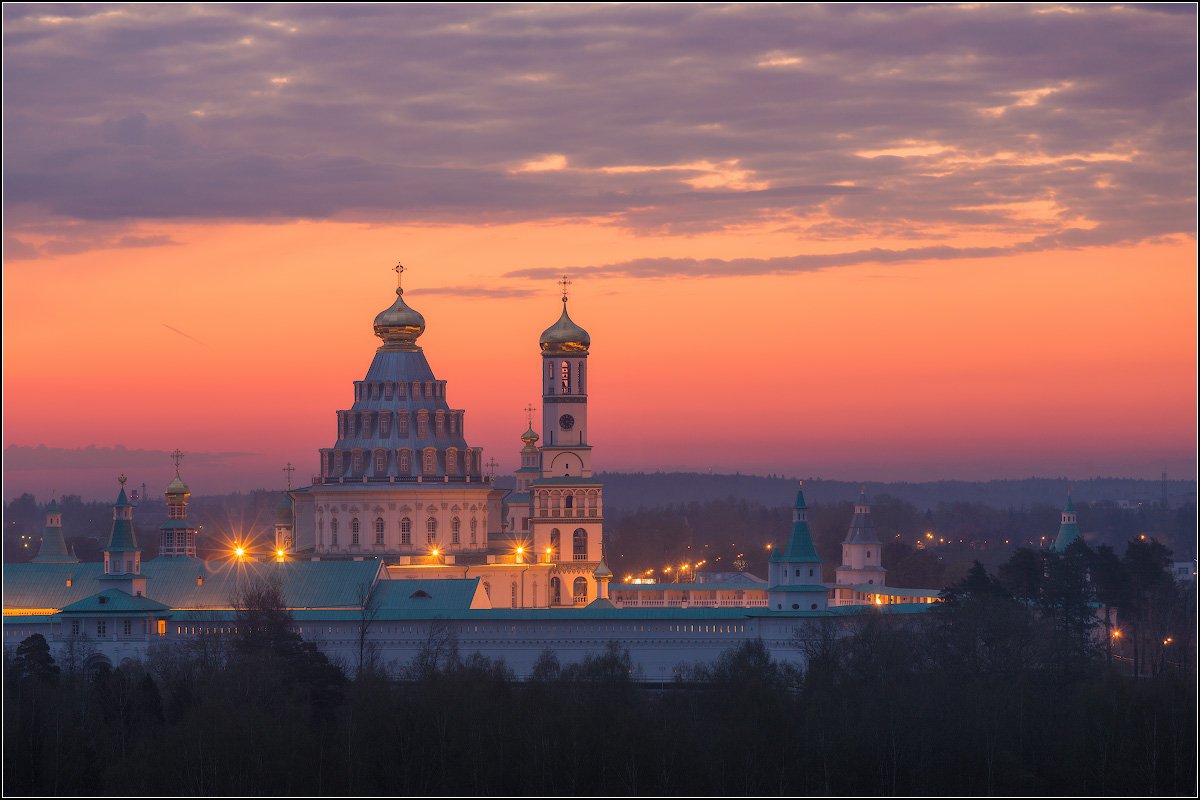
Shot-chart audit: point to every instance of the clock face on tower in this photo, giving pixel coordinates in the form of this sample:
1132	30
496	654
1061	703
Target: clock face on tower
566	422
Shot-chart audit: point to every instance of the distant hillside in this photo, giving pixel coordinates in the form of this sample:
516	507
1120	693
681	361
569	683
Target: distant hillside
627	491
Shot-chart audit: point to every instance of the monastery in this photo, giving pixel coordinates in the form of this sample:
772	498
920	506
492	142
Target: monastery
403	538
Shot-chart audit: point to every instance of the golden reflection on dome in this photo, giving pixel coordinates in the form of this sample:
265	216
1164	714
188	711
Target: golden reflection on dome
399	326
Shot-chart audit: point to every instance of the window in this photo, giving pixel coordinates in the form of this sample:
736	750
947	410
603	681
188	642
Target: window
356	460
430	530
354	528
555	542
422	424
74	627
569	501
514	594
580	592
405	462
810	573
455	528
380	462
430	460
474	525
333	526
579	387
402	424
406	531
565	378
127	627
580	545
555	591
379	530
162	627
101	628
451	461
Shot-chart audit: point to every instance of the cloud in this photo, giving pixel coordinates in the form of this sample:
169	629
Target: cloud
19	458
842	122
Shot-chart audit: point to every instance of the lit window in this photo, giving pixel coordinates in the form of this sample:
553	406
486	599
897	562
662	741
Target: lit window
580	545
555	542
565	378
430	530
580	591
406	531
379	530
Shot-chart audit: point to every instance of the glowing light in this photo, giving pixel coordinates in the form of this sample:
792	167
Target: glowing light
279	553
434	553
520	551
1116	634
1141	537
239	551
878	600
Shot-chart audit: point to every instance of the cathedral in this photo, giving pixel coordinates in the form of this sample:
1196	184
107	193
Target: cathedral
403	535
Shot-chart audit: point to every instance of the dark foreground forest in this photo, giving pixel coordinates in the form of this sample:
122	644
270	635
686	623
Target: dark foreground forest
1013	685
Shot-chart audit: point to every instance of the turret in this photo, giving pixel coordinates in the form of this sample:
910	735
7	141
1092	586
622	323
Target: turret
794	571
122	555
177	537
862	556
1068	529
54	546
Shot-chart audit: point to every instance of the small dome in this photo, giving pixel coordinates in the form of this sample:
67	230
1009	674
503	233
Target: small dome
399	326
565	336
530	436
177	486
602	570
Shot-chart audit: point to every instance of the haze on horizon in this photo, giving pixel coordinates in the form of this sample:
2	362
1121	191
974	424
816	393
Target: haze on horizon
857	242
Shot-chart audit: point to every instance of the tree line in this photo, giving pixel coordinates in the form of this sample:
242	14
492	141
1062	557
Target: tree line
1012	685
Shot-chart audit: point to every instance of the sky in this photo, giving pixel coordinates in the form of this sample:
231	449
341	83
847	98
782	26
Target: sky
877	242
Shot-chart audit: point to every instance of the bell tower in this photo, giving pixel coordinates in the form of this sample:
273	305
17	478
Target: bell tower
566	501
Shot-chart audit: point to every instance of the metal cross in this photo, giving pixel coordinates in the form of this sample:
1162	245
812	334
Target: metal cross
399	270
177	457
529	409
491	465
289	469
122	479
564	283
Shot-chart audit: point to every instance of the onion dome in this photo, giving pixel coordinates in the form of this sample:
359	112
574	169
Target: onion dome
399	326
177	486
602	570
565	337
530	437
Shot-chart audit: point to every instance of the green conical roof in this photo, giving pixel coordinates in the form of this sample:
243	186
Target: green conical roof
54	546
800	546
1068	531
122	538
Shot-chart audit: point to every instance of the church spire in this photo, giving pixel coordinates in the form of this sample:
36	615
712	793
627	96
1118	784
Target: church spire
1068	530
122	556
800	548
54	546
399	326
176	537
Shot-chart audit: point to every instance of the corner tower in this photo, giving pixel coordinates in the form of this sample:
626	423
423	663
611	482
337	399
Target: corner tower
122	555
1068	529
794	572
862	559
566	503
54	546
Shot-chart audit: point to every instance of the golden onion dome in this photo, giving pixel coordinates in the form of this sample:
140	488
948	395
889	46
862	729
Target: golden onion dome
177	486
399	326
565	336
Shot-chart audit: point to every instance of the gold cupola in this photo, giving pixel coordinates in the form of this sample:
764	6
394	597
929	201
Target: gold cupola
399	326
564	336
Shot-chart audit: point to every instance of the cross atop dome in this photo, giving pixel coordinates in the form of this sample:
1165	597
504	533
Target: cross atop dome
564	283
399	270
399	326
177	457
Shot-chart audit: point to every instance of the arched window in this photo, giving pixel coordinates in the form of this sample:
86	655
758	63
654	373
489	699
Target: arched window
379	530
514	594
430	460
380	461
430	530
555	591
402	423
354	531
580	591
474	526
555	543
580	549
565	378
333	526
422	424
405	462
569	501
451	461
406	531
455	527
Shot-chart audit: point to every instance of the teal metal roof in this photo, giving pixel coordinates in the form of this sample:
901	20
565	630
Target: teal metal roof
173	580
800	548
115	601
517	497
722	586
54	547
862	529
451	594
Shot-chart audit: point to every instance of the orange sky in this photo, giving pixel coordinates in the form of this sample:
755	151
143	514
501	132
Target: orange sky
1075	362
868	242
